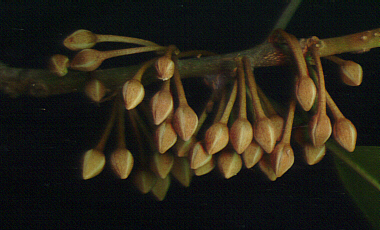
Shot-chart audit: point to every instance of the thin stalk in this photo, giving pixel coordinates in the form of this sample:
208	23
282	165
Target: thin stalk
334	108
103	140
242	93
259	113
121	127
136	132
268	105
289	122
143	68
115	38
170	50
230	105
221	107
321	81
115	53
178	84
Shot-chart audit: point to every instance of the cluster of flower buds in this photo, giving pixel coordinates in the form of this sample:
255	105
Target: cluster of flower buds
246	129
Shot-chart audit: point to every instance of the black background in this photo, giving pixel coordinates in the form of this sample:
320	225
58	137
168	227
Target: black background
41	140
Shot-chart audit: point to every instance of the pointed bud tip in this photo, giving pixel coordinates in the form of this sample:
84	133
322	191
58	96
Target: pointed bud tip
229	163
313	154
133	93
161	187
161	105
345	134
165	137
95	90
241	134
351	73
144	180
58	64
216	138
198	156
165	68
93	163
86	60
80	39
265	134
252	154
161	164
282	158
185	122
122	162
306	92
319	129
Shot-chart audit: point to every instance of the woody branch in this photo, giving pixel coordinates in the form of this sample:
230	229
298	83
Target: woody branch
42	83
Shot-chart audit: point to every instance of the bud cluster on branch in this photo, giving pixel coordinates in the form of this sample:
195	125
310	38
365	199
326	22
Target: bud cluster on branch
242	130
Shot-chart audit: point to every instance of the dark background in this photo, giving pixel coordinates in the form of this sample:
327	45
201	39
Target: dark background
41	140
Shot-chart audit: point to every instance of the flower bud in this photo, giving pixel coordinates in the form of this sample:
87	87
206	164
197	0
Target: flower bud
351	73
305	92
161	164
58	64
133	93
216	138
165	136
95	90
198	156
278	125
182	147
185	122
252	154
282	158
266	168
241	134
265	134
93	163
208	167
122	162
345	134
144	180
229	163
181	170
80	39
313	154
161	187
319	129
161	105
86	60
165	68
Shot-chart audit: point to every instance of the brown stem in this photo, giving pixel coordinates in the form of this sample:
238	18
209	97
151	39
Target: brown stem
42	83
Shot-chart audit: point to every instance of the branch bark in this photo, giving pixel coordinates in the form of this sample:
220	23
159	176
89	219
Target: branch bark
42	83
